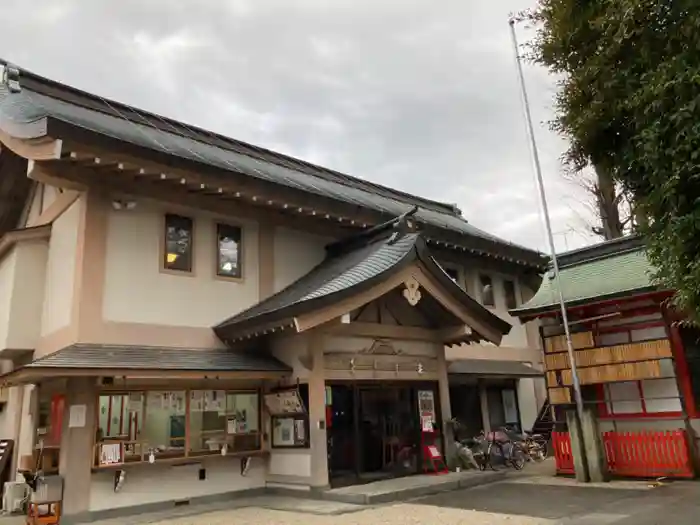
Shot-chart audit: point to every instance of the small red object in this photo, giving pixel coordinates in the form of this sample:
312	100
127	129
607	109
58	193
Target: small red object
435	463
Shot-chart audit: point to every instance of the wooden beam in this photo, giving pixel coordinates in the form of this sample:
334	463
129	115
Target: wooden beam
27	234
383	331
43	148
456	334
41	172
237	181
64	201
72	176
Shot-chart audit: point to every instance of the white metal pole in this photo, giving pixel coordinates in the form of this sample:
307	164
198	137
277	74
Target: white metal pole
547	222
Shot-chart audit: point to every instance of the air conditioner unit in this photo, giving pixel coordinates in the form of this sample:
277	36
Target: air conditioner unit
15	493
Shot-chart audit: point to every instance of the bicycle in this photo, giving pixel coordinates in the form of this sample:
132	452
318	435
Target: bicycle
515	456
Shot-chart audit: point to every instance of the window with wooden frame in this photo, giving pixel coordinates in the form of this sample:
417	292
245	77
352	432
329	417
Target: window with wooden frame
289	417
219	418
229	251
171	425
454	274
510	293
487	295
178	252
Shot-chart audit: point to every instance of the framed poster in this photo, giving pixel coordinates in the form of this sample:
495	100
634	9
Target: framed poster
111	454
283	432
426	402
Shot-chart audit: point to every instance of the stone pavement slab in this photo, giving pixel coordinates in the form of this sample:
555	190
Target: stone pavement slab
402	489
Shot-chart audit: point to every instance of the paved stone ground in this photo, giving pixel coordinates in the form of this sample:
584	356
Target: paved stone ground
533	497
531	501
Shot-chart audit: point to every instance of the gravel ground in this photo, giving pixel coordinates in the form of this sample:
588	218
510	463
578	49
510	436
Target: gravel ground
400	514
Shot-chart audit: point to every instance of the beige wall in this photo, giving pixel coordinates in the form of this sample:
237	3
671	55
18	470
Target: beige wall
156	483
60	271
7	282
133	270
295	254
22	281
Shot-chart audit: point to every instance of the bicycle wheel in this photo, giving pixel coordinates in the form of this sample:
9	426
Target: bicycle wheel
517	457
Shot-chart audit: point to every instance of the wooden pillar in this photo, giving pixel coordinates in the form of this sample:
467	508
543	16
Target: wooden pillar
484	401
76	457
317	413
445	407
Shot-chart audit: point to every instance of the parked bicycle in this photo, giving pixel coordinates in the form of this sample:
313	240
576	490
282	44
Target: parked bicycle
481	450
534	445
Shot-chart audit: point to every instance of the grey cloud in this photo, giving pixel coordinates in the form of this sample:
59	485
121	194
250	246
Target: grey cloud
413	94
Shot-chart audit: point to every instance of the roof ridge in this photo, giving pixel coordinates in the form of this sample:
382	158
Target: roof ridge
251	150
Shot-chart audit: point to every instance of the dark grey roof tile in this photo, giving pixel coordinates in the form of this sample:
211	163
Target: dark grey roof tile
158	358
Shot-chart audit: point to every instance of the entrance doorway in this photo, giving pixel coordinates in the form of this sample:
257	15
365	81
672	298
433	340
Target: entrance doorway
374	430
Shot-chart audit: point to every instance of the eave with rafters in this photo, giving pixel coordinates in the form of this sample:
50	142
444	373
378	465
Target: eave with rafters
78	140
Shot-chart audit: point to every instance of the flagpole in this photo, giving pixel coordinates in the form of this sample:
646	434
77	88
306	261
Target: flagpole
547	221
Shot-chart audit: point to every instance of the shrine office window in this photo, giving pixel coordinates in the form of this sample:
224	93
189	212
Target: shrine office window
178	239
487	297
229	254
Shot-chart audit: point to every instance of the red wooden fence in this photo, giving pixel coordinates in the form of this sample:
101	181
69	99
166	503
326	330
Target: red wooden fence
564	458
645	454
648	454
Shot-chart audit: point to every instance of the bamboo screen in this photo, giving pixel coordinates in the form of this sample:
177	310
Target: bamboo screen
559	396
557	343
607	364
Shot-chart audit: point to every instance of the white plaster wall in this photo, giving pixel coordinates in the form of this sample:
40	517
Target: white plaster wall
137	291
60	270
527	402
7	281
8	417
28	294
285	463
290	349
296	253
157	483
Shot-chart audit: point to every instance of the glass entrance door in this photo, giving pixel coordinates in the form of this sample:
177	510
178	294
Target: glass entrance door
341	432
388	431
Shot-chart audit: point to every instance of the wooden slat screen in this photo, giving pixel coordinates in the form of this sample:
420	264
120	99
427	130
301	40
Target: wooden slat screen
607	364
557	343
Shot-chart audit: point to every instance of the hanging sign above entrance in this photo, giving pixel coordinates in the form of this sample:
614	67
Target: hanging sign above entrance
284	402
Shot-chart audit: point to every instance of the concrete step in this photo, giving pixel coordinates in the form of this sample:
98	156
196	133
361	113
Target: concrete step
401	489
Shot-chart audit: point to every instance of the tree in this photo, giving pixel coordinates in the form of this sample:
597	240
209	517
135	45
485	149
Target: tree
629	103
608	202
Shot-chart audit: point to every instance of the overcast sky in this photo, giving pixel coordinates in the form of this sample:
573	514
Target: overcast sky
420	95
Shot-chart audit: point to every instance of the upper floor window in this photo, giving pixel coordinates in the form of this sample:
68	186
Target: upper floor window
229	261
487	296
178	243
453	274
511	294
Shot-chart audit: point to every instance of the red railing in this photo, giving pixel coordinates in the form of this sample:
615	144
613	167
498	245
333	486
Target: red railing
648	454
563	456
645	454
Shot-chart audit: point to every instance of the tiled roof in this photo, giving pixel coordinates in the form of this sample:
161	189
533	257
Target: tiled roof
42	98
345	273
158	358
600	272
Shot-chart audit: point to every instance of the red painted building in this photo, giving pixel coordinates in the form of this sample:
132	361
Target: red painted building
639	368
